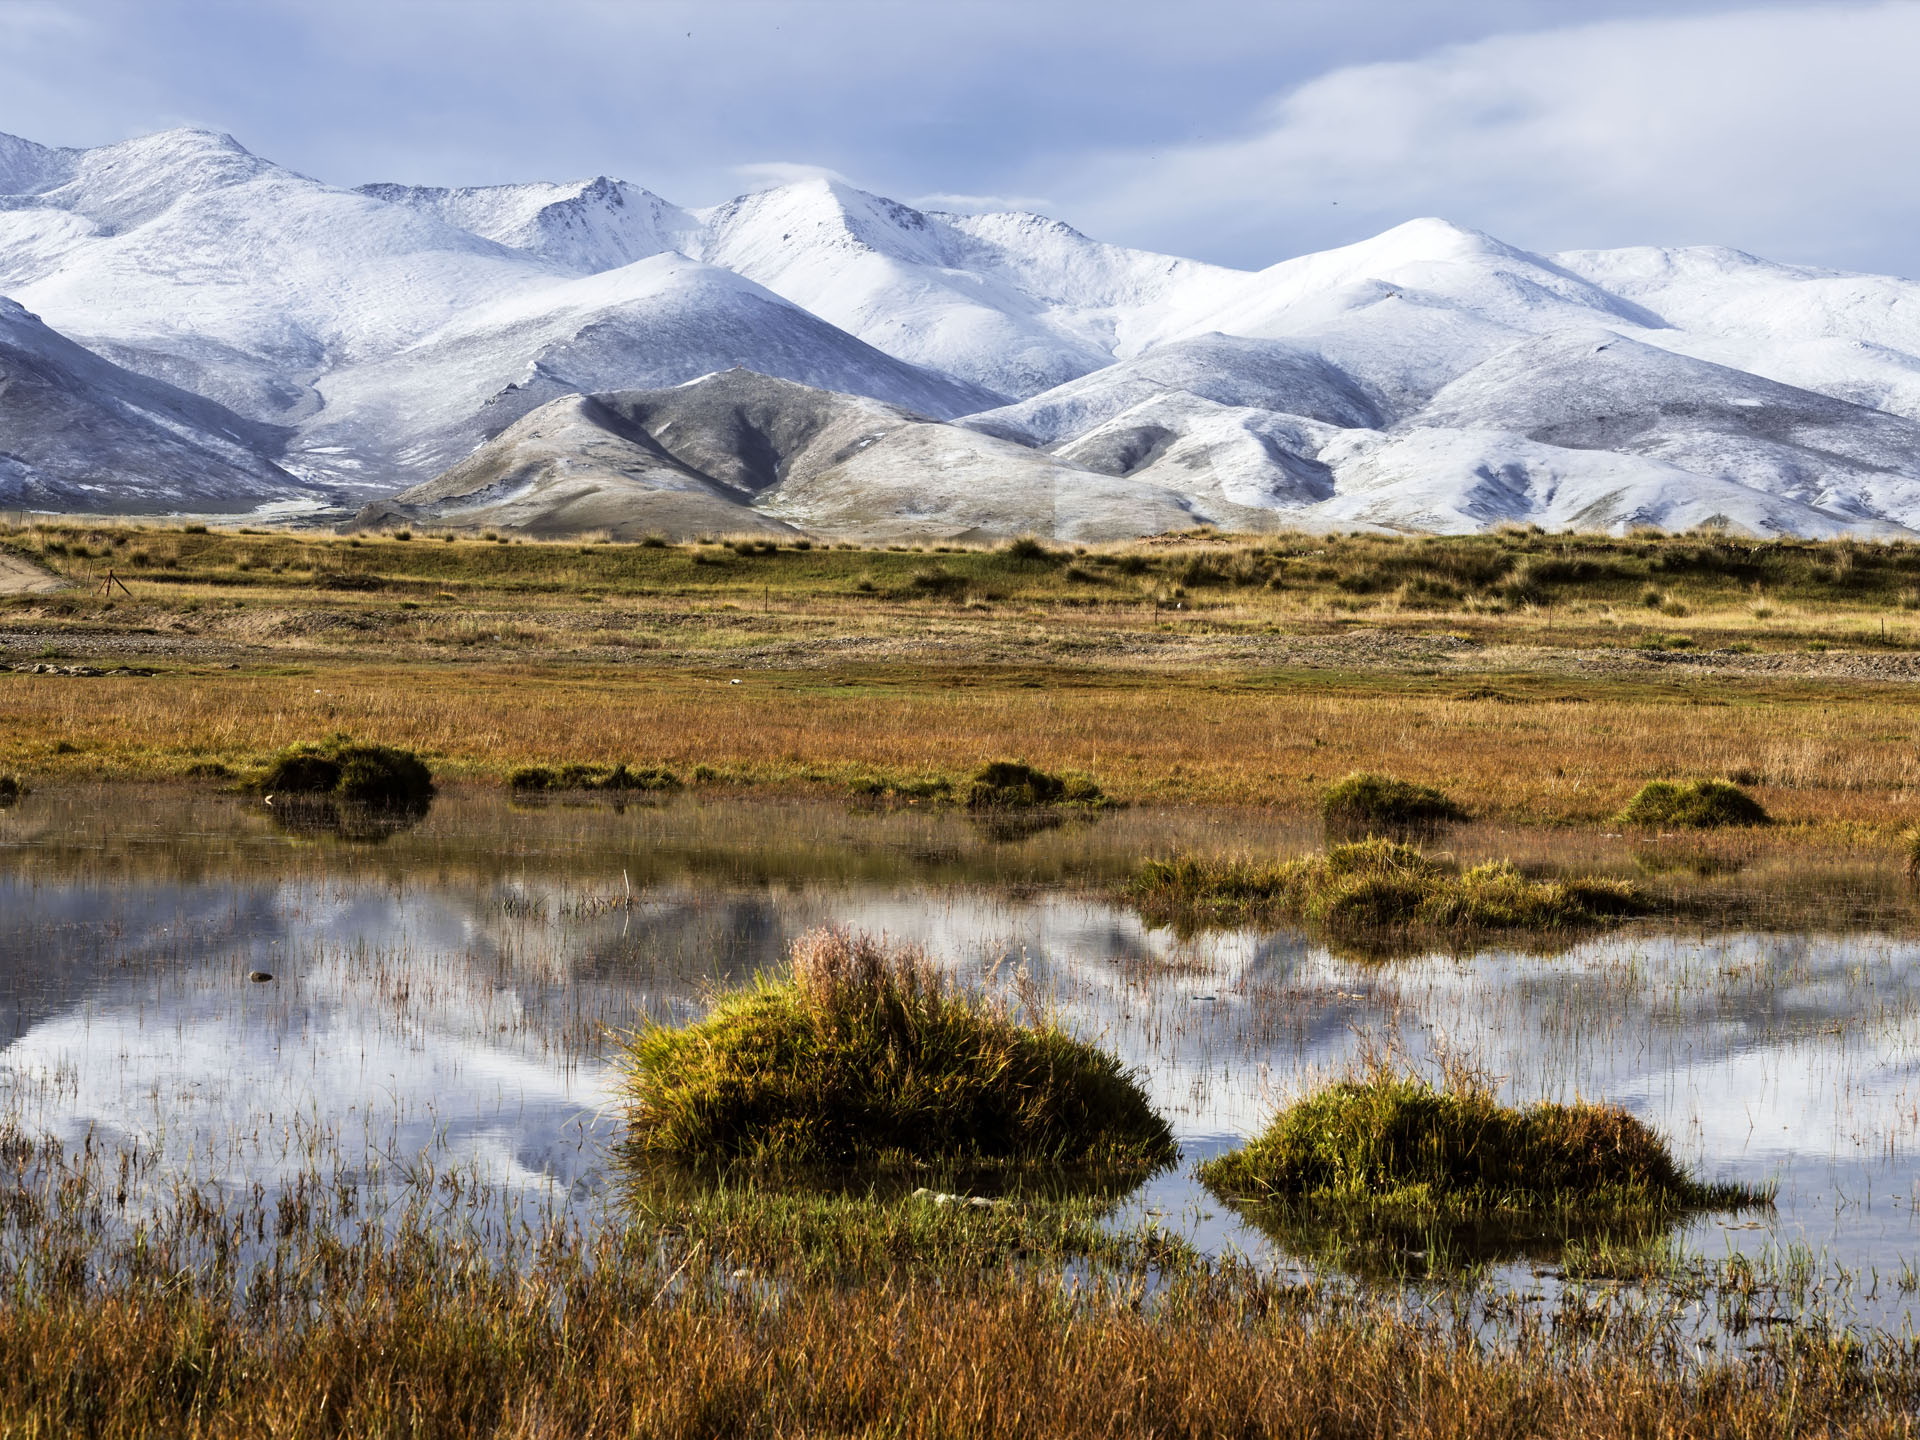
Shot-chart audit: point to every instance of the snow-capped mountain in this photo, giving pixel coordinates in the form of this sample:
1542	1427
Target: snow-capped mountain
584	227
291	338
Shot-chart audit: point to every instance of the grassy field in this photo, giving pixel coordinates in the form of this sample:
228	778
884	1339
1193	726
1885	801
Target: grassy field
1538	678
746	1312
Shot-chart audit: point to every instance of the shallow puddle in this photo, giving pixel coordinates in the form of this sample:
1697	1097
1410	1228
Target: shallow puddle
454	991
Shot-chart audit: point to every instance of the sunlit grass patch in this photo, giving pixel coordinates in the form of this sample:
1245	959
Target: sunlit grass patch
1386	1163
1376	884
1695	804
1393	1140
868	1055
1365	799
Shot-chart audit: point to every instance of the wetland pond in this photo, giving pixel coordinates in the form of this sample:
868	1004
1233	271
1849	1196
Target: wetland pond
451	995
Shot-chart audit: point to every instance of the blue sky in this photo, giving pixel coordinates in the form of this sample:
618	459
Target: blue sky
1233	131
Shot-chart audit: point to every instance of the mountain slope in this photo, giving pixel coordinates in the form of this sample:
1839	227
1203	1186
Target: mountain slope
1014	303
77	432
583	227
1276	375
655	323
745	451
1597	390
184	256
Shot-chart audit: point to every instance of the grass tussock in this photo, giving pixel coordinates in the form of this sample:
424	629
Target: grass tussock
1376	884
1364	799
868	1055
337	769
1014	785
1389	1142
11	788
540	779
1693	805
1910	844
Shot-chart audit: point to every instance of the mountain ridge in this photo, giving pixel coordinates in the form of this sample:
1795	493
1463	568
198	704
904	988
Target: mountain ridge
368	340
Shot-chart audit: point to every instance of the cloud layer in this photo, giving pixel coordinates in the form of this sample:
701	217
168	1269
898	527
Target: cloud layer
1233	130
1788	132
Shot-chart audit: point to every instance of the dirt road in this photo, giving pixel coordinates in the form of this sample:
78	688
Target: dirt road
18	577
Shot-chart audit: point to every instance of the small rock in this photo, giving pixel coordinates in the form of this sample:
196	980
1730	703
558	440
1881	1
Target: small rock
259	977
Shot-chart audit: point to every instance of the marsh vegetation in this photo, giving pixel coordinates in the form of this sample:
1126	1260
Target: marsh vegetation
1377	886
1694	805
475	1243
1532	705
866	1055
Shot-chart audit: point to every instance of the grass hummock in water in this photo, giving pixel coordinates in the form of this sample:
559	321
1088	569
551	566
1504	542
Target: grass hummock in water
1376	884
11	788
1387	1142
338	769
1365	799
868	1055
537	779
1014	785
1694	805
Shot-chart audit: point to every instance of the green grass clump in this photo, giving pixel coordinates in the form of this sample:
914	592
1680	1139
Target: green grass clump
1389	1142
868	1055
1695	805
1364	799
1376	884
338	769
1013	785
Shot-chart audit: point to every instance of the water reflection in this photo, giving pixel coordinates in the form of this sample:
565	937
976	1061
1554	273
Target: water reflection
1393	1246
355	823
460	988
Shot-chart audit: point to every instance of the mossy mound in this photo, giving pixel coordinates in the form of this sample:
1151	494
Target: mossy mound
868	1055
378	776
1694	805
1365	800
1376	884
539	779
1014	785
1395	1143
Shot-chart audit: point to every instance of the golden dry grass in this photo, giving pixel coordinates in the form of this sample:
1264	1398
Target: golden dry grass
1512	670
1014	1362
1813	754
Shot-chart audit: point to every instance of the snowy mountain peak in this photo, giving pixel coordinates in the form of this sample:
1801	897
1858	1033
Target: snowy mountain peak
583	226
122	186
821	213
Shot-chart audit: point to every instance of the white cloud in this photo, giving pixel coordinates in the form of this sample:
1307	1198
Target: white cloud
1787	131
767	174
979	204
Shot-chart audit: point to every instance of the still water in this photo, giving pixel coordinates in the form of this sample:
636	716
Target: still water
455	991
